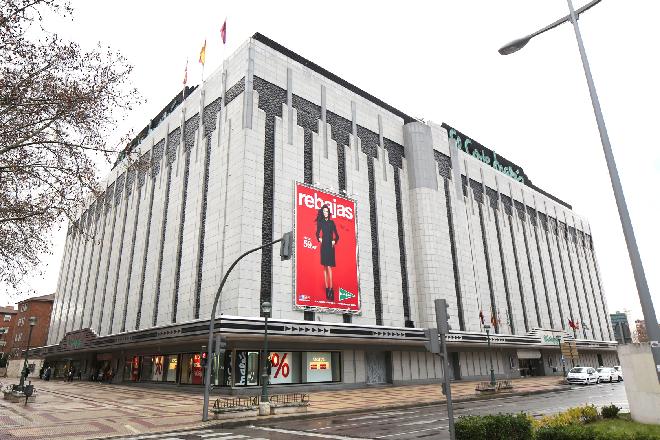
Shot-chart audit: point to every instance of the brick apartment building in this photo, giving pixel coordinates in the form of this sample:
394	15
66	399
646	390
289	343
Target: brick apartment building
17	336
7	319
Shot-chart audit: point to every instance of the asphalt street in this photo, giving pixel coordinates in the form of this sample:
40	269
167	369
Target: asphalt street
429	422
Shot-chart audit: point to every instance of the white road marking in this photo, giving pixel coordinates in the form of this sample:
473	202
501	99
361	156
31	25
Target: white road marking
167	435
222	435
305	433
132	429
414	432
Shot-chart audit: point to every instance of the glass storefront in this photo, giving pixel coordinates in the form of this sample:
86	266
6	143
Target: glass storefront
171	363
191	369
239	368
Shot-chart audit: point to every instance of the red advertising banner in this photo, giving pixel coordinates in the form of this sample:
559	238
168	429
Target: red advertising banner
326	251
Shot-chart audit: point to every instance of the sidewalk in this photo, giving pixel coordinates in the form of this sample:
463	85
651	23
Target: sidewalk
82	410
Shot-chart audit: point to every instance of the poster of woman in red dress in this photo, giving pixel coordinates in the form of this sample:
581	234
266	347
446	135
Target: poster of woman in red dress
326	270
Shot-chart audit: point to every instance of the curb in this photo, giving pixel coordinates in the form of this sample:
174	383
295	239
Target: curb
261	421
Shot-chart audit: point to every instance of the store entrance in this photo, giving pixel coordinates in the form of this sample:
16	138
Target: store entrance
530	367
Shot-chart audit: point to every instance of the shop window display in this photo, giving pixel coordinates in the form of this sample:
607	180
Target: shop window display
171	363
157	368
191	369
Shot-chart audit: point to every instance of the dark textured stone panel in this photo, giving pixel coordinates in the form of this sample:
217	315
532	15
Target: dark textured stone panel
191	126
506	202
271	99
444	164
234	91
210	115
202	230
477	191
402	248
156	156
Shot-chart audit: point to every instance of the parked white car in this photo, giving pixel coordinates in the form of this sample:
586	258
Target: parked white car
619	373
606	374
582	375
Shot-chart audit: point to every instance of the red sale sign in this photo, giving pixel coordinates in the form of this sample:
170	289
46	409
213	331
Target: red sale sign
326	251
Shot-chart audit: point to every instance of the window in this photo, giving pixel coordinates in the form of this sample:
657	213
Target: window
171	363
7	318
191	368
20	321
247	368
23	307
4	330
18	337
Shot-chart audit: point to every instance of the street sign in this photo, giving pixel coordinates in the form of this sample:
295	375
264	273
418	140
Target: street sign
569	350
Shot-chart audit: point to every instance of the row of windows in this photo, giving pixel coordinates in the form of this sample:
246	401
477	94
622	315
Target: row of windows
239	368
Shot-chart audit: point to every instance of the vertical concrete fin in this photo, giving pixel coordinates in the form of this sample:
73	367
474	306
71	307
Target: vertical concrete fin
289	103
418	147
248	103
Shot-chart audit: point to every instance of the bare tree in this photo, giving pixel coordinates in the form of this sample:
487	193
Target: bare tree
59	104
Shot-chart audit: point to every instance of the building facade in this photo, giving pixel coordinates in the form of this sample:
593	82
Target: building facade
8	316
434	214
39	307
621	328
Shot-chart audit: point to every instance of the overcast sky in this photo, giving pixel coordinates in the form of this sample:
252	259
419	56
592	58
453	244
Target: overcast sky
439	61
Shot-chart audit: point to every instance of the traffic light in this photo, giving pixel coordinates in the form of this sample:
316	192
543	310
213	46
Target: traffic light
432	342
286	246
205	356
442	316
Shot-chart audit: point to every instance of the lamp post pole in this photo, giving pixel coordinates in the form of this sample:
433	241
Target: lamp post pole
626	224
207	376
265	309
33	322
492	372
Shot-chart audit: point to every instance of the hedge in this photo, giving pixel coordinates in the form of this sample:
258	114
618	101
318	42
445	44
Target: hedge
494	427
584	432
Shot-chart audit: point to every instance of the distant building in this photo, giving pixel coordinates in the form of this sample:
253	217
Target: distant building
7	319
17	338
621	327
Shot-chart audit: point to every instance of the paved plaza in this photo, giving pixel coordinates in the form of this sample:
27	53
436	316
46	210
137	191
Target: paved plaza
82	410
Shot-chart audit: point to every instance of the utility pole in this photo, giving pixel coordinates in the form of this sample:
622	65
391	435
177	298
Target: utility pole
442	321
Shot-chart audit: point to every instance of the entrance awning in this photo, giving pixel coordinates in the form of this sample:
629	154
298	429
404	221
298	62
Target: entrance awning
529	354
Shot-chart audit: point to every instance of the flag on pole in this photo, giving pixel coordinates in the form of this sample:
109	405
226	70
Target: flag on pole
573	325
481	316
493	320
202	54
185	74
223	32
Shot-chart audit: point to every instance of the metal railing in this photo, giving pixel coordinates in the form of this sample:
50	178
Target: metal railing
290	399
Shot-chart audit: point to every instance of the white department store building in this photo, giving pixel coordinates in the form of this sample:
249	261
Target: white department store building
438	215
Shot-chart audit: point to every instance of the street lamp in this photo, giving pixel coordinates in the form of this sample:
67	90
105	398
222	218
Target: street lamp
33	322
492	372
264	405
285	254
624	216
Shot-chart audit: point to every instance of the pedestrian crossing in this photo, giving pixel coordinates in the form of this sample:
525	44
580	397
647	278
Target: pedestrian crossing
200	434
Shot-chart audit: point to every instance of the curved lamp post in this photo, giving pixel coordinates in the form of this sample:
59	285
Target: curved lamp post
207	375
33	322
626	224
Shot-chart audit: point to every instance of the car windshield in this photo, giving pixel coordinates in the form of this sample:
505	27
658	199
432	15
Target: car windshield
606	370
578	370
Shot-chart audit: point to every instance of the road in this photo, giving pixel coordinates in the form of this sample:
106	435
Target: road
428	423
